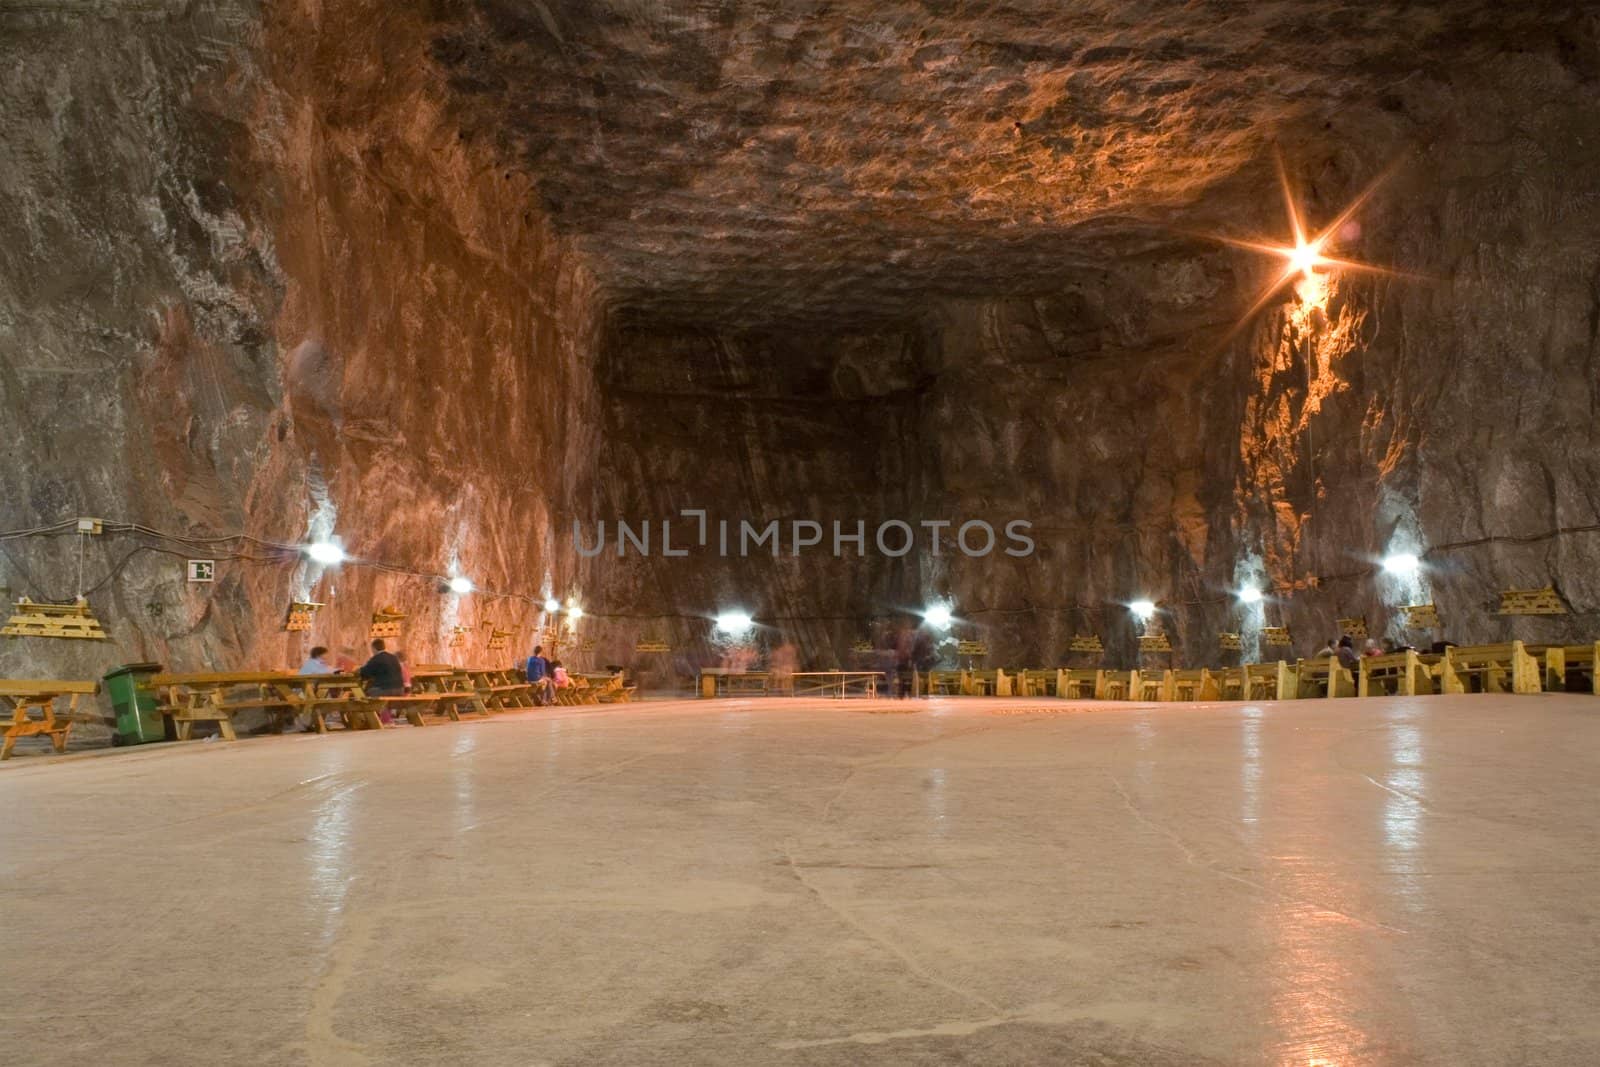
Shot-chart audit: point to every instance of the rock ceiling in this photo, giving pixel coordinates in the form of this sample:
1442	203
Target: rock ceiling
741	162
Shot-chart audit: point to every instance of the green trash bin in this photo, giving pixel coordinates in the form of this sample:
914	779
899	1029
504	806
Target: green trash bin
138	721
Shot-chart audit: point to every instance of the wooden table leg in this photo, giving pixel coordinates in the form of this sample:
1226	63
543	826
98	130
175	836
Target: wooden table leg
18	716
64	729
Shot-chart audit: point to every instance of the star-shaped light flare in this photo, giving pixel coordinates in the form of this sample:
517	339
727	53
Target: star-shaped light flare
1308	256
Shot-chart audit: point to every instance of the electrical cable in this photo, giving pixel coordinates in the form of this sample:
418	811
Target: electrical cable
286	553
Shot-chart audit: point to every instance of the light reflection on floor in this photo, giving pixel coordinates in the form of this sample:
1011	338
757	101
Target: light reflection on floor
811	882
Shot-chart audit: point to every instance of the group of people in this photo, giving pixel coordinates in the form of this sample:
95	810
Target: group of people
546	676
385	674
1344	650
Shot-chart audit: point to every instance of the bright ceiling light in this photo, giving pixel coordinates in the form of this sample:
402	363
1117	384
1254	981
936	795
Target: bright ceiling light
461	584
575	612
1250	595
1401	563
326	553
1142	608
937	615
552	605
734	622
1304	256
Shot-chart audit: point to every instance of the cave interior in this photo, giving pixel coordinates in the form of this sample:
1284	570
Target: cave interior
444	281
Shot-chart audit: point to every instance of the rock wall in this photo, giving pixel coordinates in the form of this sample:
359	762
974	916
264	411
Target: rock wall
290	270
753	428
255	280
1166	445
1449	411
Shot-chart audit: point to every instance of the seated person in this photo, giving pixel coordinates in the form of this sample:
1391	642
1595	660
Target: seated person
383	676
317	662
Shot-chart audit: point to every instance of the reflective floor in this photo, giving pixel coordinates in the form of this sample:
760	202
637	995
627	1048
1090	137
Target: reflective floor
980	882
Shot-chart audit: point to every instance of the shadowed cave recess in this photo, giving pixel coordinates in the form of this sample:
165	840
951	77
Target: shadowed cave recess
440	280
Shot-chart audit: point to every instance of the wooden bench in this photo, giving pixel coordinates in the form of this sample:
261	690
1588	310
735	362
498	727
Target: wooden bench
946	683
575	692
1405	673
411	706
1115	685
1504	668
512	688
1079	683
988	683
24	695
1033	683
1195	684
1561	662
1153	686
1324	676
1259	681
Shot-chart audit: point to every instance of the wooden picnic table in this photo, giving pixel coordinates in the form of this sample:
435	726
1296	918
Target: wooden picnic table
839	684
724	681
502	689
610	687
446	690
23	695
215	696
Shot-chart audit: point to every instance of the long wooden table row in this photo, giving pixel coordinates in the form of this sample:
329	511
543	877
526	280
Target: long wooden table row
436	689
1512	667
284	698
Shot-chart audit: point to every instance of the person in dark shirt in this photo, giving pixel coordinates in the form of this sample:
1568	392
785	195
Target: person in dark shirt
538	674
382	673
1348	657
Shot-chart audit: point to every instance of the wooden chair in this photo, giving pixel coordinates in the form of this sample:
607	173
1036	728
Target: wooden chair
945	683
24	695
1504	668
1404	673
